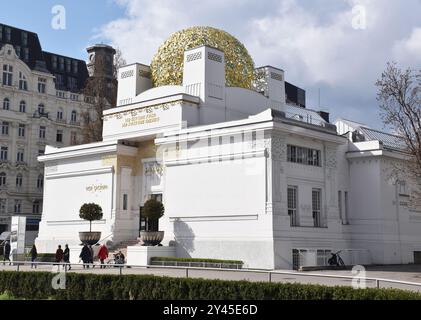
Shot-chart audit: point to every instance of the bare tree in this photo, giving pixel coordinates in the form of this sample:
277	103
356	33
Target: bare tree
101	92
399	95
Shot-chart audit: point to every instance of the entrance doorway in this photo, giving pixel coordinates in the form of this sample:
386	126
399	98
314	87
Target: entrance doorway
417	257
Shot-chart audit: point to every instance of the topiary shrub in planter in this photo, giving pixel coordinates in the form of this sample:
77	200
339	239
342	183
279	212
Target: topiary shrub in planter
90	212
153	210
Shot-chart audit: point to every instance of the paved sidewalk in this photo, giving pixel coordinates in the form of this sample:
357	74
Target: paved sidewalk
401	273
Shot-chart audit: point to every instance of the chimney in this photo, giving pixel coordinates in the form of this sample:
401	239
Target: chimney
204	74
271	83
132	80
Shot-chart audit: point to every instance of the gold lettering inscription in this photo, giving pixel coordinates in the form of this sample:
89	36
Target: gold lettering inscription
96	188
140	120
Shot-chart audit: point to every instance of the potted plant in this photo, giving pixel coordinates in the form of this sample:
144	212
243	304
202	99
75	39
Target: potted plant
90	212
153	210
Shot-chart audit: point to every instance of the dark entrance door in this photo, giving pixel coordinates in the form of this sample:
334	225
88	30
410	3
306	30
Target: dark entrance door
417	257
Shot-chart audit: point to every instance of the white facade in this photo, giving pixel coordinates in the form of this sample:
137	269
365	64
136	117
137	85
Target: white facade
242	176
33	114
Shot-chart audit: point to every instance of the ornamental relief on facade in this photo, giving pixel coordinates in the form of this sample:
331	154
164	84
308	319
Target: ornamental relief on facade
330	160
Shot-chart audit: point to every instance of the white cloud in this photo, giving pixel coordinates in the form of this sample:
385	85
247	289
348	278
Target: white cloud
409	49
314	42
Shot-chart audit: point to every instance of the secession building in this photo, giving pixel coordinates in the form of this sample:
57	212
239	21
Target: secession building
41	103
244	169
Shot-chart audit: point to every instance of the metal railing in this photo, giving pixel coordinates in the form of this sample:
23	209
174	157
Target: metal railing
197	272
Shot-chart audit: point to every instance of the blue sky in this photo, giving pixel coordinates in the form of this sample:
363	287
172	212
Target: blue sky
83	21
314	41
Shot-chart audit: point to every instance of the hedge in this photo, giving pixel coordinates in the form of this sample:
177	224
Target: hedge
153	259
37	285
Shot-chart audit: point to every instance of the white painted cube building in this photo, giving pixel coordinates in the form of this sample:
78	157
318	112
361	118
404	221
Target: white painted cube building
243	175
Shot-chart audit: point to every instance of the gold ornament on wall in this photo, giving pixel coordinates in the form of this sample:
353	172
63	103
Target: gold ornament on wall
167	64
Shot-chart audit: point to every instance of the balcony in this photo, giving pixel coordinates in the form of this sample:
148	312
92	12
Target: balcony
41	115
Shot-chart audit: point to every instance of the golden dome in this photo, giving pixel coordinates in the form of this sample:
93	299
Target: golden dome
167	64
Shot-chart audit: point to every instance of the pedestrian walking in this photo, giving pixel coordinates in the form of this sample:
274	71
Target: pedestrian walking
102	255
34	255
6	252
66	256
59	256
91	256
85	255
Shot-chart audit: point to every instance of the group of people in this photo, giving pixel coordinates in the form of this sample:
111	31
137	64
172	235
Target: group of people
63	256
87	256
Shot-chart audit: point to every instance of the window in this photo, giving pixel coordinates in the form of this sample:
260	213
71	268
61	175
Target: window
36	205
8	34
61	63
54	61
42	84
3	206
42	130
346	208
19	180
59	136
340	204
24	39
3	153
6	104
2	179
41	108
73	116
5	128
304	156
40	181
317	208
71	83
292	206
20	155
75	66
23	83
21	130
7	75
59	114
18	206
59	80
125	201
73	138
22	106
68	65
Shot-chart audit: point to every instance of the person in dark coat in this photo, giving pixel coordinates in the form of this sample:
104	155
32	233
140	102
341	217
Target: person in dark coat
6	252
34	255
59	254
91	256
85	255
66	256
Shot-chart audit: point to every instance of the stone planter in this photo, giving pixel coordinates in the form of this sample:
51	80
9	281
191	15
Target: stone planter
151	238
89	238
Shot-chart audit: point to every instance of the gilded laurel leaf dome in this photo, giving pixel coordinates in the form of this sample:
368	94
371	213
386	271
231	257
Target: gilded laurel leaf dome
167	64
